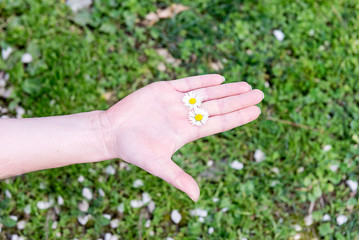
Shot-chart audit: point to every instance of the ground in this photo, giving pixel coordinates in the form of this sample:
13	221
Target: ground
302	54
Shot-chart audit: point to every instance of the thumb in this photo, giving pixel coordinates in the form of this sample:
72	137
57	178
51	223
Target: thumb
174	175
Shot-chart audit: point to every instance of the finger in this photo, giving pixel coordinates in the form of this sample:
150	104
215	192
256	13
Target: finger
222	123
224	90
174	175
195	82
233	103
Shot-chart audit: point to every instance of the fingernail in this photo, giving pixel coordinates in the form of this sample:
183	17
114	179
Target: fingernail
224	79
193	199
263	94
195	195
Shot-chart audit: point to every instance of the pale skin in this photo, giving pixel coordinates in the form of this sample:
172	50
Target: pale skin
145	129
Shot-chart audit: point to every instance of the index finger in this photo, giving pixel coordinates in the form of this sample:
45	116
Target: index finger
196	82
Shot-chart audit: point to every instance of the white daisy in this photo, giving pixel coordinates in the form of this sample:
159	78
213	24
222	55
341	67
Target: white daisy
198	116
192	100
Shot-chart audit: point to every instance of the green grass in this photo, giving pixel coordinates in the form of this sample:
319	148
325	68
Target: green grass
310	81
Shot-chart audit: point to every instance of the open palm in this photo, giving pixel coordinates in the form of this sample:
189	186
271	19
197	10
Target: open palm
151	124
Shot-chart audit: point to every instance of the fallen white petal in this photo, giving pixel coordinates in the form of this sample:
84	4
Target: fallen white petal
138	183
6	93
176	216
108	236
161	67
199	212
353	185
334	167
259	155
224	209
125	166
110	170
83	206
210	230
57	210
54	225
169	238
121	208
326	218
27	209
19	114
86	192
341	219
81	179
215	199
216	66
108	216
151	207
297	228
83	219
114	237
21	224
8	194
308	220
114	223
14	237
148	223
43	204
101	192
327	148
210	163
5	53
300	170
60	200
136	203
279	35
2	84
26	58
41	185
237	165
297	236
146	198
77	5
275	170
201	219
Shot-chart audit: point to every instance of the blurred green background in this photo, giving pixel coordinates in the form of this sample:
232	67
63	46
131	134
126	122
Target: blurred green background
308	130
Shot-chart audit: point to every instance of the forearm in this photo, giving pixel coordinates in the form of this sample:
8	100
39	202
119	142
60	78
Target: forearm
32	144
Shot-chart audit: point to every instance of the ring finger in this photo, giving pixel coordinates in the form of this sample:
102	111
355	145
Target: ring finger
233	103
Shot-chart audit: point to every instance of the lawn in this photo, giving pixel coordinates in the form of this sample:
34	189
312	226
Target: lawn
300	158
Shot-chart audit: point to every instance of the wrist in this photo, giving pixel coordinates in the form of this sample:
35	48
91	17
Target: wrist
104	133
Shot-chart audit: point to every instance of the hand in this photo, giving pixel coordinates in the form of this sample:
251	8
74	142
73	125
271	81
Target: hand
151	124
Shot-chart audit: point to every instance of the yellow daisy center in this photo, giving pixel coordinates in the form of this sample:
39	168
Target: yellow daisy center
192	101
198	117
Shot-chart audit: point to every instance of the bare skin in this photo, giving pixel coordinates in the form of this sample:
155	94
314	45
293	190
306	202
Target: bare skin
145	129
